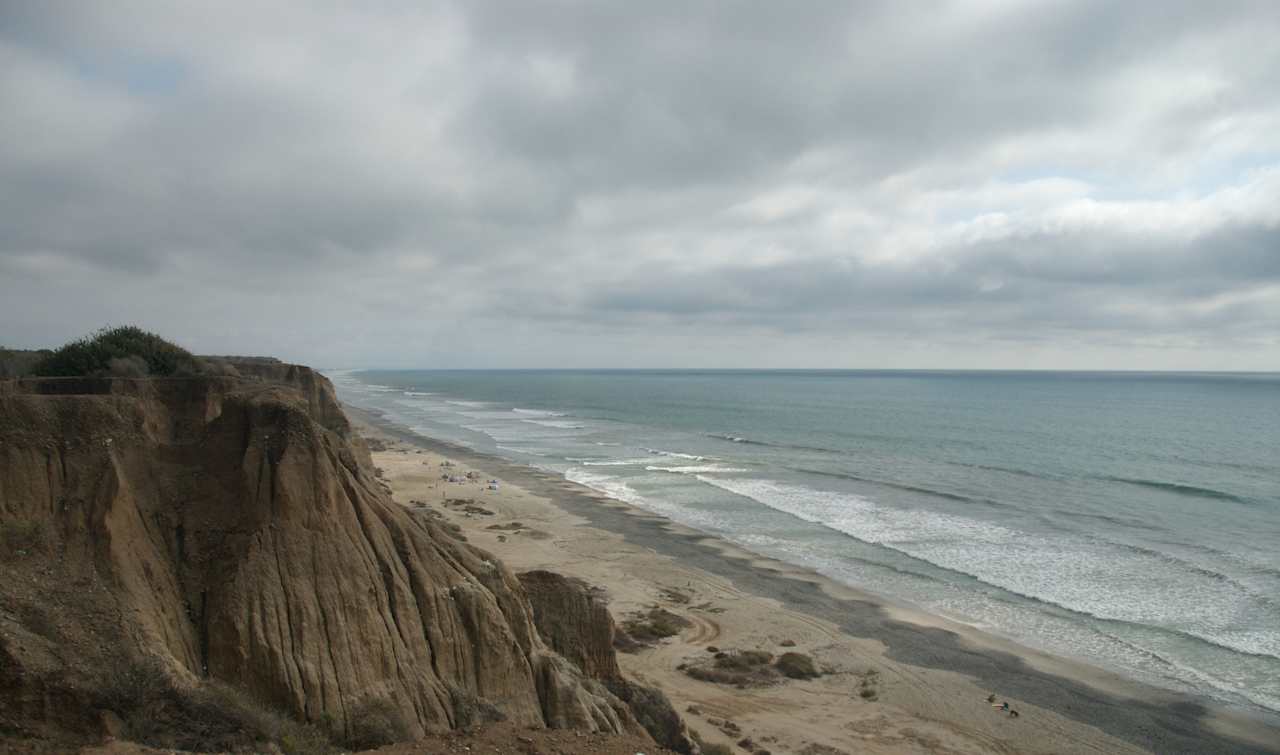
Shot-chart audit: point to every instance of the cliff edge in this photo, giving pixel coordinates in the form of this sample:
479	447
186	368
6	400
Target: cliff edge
231	530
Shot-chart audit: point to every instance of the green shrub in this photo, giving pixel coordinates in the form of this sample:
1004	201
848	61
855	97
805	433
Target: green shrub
126	351
797	666
743	660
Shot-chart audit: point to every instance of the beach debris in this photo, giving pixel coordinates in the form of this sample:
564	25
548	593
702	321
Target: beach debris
788	643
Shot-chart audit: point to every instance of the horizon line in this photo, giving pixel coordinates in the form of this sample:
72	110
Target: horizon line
806	369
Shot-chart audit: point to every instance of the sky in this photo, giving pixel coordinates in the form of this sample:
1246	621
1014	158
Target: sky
986	184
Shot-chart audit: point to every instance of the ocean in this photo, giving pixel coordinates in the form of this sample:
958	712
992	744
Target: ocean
1129	520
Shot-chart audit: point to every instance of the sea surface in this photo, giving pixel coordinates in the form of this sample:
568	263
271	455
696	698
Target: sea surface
1131	520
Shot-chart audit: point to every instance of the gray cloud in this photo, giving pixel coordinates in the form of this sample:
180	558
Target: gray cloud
873	184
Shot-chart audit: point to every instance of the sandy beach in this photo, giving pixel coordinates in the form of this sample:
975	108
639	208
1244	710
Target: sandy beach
896	680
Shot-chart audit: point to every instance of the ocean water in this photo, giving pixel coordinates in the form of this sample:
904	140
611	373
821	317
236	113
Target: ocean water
1128	520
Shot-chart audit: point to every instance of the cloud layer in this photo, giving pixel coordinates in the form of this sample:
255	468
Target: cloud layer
978	184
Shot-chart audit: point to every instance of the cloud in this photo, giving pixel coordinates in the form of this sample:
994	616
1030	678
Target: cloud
557	183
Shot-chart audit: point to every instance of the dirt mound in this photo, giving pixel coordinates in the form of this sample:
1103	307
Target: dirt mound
232	529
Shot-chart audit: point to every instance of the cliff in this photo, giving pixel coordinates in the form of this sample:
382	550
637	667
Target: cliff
230	529
575	621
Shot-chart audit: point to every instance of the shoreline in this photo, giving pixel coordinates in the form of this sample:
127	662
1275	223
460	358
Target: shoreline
1101	711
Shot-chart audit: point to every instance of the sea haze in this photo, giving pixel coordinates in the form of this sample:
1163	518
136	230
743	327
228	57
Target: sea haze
1129	520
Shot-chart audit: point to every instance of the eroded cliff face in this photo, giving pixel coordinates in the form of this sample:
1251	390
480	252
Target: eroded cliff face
574	619
232	527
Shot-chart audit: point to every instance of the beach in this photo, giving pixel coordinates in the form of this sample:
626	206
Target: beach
895	679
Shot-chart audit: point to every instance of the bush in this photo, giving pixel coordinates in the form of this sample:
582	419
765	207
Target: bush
211	717
657	624
374	723
797	666
17	362
129	367
743	660
122	351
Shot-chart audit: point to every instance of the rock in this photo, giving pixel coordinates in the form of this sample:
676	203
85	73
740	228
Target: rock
575	621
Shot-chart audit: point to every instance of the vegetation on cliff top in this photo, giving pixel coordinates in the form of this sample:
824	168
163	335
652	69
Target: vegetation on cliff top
125	351
18	362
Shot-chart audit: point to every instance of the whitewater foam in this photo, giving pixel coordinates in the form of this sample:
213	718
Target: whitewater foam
620	490
1087	577
610	486
676	454
558	424
620	462
538	412
696	470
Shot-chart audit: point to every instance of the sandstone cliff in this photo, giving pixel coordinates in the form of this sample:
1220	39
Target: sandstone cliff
231	528
575	621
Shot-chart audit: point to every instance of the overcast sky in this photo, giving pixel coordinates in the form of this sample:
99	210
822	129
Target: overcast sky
985	184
